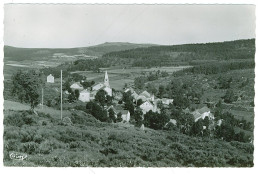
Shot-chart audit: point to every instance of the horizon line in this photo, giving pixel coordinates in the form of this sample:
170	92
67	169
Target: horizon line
153	44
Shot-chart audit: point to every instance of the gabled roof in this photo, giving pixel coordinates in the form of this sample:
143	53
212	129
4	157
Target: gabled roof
129	89
196	114
124	112
118	109
98	84
85	91
173	121
203	110
135	95
146	94
146	102
76	83
187	110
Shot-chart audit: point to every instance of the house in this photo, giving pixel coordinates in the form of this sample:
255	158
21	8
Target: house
173	121
145	96
134	95
167	101
97	86
202	113
105	86
87	95
84	96
77	86
148	106
50	79
108	90
125	113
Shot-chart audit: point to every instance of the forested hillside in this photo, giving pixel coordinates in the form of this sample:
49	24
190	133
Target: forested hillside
20	54
189	53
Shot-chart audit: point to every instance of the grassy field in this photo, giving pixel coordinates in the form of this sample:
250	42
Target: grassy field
88	142
118	76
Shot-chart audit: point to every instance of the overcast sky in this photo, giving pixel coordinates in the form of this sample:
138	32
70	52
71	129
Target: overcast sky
66	26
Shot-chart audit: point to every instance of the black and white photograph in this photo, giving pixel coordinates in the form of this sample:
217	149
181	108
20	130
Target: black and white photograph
129	85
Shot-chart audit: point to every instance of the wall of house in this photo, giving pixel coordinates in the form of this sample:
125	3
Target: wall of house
84	97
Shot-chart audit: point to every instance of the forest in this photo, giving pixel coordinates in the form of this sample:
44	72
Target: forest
178	54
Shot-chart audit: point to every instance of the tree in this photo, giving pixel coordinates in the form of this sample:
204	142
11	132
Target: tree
26	85
139	82
127	96
111	115
197	128
139	102
151	88
97	111
109	100
161	91
138	116
101	97
119	117
155	120
186	122
71	97
77	94
129	105
229	97
225	131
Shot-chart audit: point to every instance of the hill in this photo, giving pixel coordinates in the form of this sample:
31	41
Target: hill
22	54
87	142
185	54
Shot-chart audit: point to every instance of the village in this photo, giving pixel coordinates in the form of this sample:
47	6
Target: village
144	101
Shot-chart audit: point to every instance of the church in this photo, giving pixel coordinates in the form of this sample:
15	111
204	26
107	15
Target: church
87	95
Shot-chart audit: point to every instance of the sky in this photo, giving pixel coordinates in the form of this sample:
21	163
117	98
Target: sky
68	26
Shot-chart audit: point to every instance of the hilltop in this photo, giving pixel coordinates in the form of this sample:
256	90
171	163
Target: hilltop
22	54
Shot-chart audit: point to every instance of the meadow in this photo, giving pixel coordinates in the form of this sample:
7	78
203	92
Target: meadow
119	76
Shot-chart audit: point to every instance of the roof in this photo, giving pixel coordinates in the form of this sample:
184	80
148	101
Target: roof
146	94
135	95
129	89
143	98
76	83
173	121
203	110
97	84
123	112
146	102
50	75
196	114
85	91
187	110
118	108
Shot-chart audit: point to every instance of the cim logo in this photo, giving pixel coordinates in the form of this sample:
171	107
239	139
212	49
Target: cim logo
16	155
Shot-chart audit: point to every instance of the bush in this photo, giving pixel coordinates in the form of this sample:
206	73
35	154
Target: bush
118	137
30	147
14	120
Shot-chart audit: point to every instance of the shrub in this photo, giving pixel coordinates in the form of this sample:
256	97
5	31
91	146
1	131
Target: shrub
30	147
14	120
118	137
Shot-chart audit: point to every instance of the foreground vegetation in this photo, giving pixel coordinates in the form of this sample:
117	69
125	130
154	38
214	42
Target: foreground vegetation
84	141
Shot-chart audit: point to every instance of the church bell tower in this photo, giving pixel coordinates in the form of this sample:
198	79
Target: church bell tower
106	80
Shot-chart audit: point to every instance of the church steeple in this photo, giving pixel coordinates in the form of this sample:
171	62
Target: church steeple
106	80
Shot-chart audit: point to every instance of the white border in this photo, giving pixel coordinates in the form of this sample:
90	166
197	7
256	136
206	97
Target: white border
137	170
